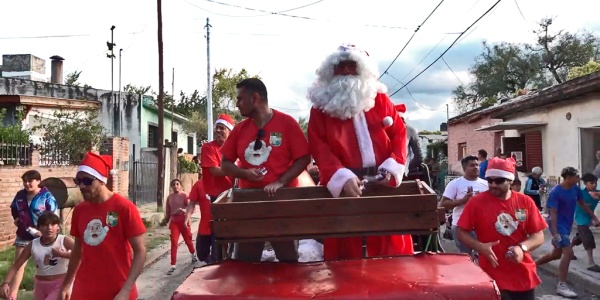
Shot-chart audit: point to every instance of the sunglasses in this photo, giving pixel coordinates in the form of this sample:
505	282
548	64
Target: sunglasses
496	180
84	181
258	143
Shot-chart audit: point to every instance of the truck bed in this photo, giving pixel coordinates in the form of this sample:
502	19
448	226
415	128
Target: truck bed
419	277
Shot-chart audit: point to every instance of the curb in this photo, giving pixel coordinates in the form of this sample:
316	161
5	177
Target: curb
159	252
574	278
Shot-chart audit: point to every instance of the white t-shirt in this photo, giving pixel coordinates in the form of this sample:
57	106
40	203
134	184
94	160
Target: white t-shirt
457	189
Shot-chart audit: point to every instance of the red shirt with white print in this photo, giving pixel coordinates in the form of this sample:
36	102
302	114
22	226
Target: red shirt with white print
510	222
211	158
283	142
104	230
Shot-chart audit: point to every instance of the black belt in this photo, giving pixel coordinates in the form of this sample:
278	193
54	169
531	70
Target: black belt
370	171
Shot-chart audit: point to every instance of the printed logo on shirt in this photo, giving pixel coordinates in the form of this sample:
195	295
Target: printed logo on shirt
521	214
95	233
505	224
112	218
257	157
275	139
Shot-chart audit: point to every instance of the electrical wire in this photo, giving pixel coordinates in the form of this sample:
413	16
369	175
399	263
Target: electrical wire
286	15
447	65
519	8
414	99
411	37
449	47
60	36
424	58
261	15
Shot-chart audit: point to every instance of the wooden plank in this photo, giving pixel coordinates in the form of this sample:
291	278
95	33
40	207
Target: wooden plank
224	240
324	207
312	192
359	225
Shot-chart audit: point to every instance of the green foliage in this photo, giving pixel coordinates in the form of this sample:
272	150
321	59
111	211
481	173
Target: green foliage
589	68
6	259
72	79
186	166
427	132
13	133
70	135
438	151
303	122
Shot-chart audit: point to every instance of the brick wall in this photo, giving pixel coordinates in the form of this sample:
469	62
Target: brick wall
11	183
464	132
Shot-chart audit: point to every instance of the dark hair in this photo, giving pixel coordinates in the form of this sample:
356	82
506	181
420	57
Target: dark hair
483	153
568	171
48	218
31	175
588	177
253	85
465	161
175	180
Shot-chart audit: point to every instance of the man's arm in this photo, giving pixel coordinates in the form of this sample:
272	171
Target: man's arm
413	143
528	190
74	263
230	169
217	171
297	167
553	220
586	209
449	204
139	257
396	164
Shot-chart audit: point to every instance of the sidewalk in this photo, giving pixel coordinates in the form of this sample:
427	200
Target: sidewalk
578	273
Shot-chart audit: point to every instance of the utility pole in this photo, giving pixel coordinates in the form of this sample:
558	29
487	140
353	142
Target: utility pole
161	113
119	101
172	99
209	108
111	45
447	113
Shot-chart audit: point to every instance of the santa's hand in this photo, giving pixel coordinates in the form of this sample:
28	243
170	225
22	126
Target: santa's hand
352	188
387	177
485	249
253	175
272	187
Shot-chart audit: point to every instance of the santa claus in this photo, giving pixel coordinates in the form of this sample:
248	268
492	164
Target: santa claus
353	132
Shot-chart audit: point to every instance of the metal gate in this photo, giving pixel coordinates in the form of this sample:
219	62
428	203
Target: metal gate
144	176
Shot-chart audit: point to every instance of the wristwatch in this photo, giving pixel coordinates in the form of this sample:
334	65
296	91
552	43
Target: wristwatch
524	248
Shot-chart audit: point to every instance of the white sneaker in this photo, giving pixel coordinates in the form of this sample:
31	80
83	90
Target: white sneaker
194	258
562	289
171	270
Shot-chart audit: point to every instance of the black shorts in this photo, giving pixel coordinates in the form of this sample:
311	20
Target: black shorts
587	237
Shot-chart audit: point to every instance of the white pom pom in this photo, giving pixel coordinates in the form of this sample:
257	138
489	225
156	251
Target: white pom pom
388	121
114	172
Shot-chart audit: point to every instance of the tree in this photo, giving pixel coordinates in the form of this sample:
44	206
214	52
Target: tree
589	68
427	132
69	135
139	91
438	151
303	122
72	79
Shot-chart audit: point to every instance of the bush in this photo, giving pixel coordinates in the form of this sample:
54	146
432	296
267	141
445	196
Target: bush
186	166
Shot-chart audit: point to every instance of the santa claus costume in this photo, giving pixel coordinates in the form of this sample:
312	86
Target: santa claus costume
354	131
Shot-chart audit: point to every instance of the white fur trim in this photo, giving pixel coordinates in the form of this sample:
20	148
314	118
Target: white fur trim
499	173
93	172
397	169
388	121
225	123
337	181
365	144
114	172
400	114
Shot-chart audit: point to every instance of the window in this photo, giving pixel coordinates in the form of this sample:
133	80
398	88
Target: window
190	144
462	151
590	150
174	136
152	136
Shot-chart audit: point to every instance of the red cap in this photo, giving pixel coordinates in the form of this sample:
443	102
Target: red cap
226	120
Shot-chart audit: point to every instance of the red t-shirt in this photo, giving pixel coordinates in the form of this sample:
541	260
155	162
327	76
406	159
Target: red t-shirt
211	158
198	195
509	222
282	143
104	231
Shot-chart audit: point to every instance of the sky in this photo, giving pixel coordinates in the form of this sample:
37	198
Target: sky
285	50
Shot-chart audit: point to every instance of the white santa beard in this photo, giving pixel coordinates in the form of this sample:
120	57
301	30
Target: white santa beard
343	97
94	241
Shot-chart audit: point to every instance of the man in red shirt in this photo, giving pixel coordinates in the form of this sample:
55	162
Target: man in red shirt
109	253
508	226
354	132
272	152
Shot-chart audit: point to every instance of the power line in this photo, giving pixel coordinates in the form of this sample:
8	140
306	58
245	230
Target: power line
284	14
414	99
60	36
424	58
449	47
519	8
261	15
447	65
412	36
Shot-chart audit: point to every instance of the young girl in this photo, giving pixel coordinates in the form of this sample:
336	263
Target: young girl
177	203
51	253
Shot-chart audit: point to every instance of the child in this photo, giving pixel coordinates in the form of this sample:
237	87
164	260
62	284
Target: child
584	234
177	202
515	186
51	253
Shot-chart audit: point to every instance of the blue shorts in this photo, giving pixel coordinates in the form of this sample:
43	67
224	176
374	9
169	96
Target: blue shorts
564	242
20	242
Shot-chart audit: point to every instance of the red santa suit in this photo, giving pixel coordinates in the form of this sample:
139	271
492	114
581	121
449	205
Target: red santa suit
346	142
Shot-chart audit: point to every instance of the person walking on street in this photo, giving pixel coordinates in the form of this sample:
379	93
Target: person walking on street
534	185
562	201
584	236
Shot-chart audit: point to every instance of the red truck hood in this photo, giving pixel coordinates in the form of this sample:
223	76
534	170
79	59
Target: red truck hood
420	277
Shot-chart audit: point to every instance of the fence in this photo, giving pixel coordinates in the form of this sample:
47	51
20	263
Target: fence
143	178
55	154
15	153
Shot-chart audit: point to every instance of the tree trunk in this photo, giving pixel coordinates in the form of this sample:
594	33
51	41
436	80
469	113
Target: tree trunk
161	111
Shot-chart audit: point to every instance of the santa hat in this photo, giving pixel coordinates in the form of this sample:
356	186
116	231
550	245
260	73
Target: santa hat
401	109
99	166
498	167
226	121
365	65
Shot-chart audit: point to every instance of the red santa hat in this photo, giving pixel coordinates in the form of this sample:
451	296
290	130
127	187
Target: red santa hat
226	121
366	65
401	109
99	166
498	167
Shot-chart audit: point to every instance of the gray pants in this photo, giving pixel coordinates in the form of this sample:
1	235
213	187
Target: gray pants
462	247
286	251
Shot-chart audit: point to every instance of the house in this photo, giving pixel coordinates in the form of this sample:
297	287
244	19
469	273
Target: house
552	128
464	140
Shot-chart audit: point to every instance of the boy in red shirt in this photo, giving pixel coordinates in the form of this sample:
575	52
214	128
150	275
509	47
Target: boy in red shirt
508	226
205	241
272	151
108	253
